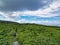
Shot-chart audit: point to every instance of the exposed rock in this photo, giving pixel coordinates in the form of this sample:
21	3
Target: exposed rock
16	43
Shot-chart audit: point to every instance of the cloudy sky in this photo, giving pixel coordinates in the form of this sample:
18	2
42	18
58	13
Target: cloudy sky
31	11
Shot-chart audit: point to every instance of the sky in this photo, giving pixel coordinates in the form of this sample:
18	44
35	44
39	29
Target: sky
46	12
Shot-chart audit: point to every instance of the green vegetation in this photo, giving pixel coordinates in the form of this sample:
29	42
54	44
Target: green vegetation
28	34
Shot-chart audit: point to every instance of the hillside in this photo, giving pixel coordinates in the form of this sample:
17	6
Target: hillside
28	34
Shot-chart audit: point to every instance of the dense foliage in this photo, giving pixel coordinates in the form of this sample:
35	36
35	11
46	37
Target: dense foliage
28	34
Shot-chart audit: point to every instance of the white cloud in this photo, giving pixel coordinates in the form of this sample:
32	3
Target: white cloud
41	12
45	22
6	17
55	5
45	12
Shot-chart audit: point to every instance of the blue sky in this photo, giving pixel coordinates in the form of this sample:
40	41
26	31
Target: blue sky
45	12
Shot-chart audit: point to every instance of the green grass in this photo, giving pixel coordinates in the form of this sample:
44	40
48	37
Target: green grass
28	34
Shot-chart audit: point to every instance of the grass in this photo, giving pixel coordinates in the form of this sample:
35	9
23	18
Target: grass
28	34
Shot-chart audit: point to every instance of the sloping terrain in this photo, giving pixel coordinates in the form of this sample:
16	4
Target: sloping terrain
28	34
